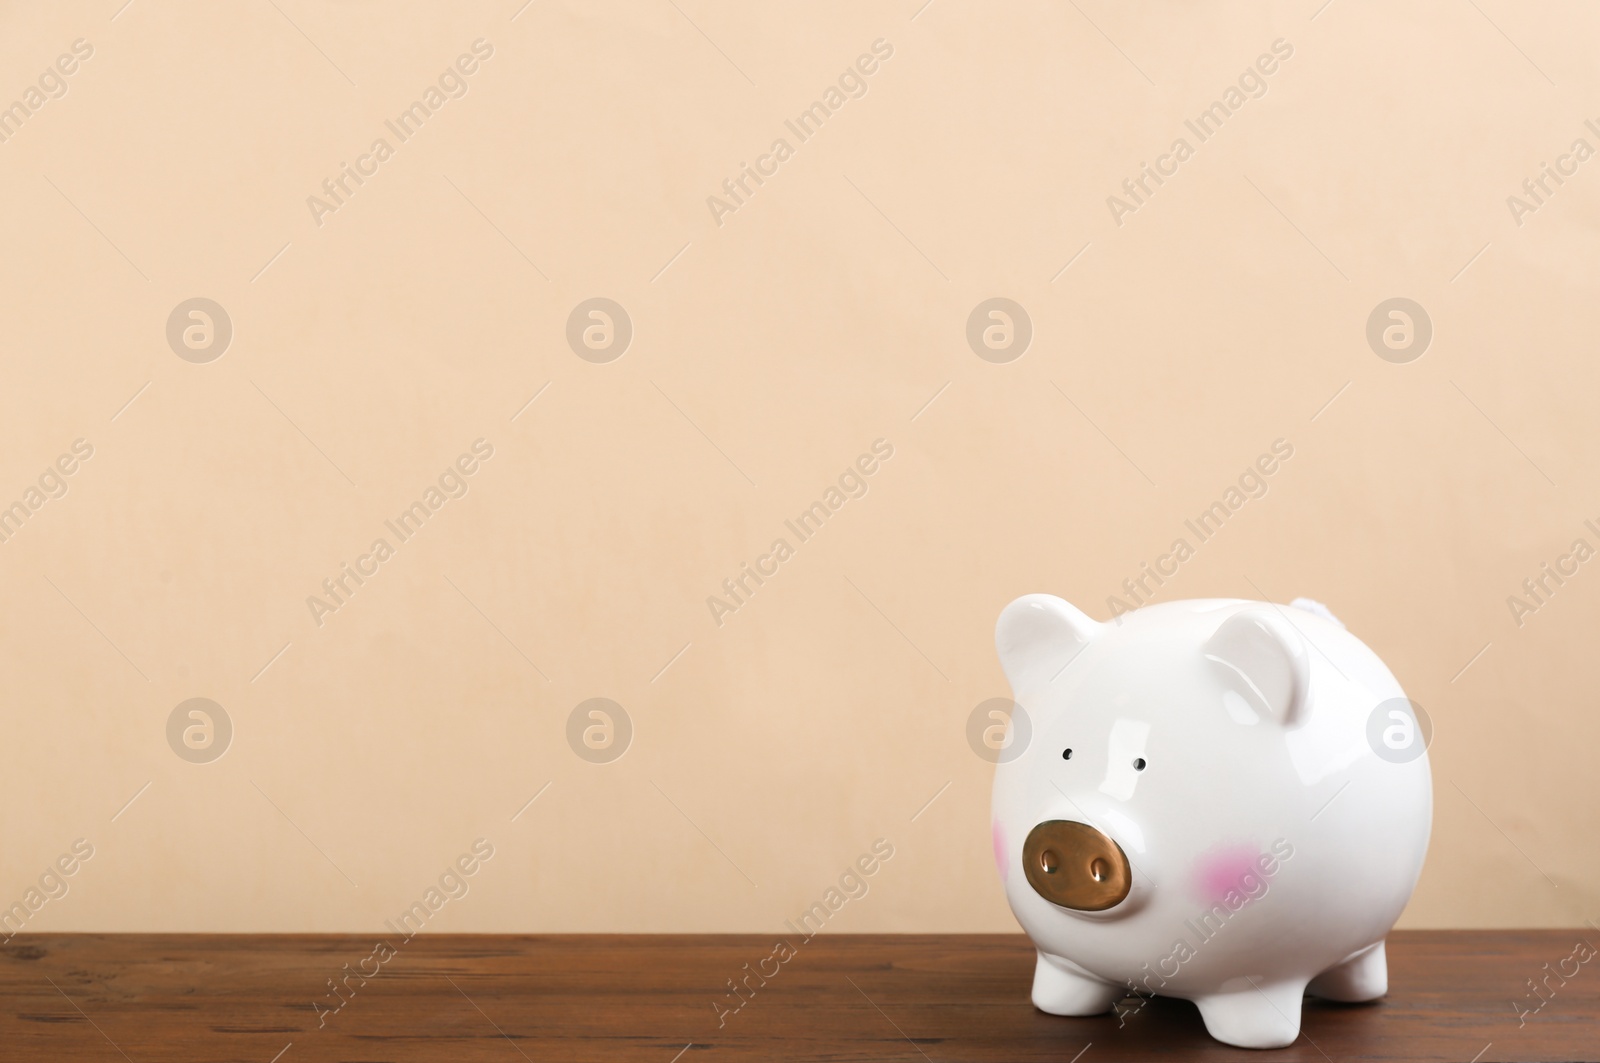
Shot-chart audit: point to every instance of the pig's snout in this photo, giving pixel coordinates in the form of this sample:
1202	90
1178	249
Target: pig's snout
1075	866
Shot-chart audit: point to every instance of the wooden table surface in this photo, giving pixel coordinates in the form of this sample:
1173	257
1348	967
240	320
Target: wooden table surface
1453	996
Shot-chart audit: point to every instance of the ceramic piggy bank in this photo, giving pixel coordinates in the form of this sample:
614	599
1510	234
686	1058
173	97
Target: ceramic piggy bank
1223	801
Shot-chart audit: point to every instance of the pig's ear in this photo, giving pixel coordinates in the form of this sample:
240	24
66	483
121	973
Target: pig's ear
1037	636
1259	654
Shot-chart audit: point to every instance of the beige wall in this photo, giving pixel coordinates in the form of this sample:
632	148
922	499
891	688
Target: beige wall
772	345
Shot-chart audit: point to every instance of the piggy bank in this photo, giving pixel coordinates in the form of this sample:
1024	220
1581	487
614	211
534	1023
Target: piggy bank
1223	801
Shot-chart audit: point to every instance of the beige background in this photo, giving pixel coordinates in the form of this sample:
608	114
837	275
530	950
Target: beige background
767	353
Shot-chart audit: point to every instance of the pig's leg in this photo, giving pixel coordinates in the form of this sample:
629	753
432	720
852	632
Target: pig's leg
1364	976
1061	991
1260	1015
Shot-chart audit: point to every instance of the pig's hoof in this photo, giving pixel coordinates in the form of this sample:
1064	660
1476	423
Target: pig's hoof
1259	1016
1363	977
1059	991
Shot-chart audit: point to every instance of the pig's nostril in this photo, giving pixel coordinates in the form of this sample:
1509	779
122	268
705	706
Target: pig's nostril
1099	870
1049	861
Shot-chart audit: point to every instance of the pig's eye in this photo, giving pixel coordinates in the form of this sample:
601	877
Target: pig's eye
1138	764
1066	754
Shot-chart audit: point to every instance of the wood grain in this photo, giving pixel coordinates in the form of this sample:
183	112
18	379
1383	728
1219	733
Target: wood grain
1454	996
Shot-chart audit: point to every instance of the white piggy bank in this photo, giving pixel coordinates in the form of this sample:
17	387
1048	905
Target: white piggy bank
1223	801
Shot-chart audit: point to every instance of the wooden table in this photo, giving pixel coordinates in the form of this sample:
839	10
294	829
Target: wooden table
1453	996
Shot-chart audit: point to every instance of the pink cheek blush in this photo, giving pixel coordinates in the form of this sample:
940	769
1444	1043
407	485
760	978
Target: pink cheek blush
1000	851
1225	870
